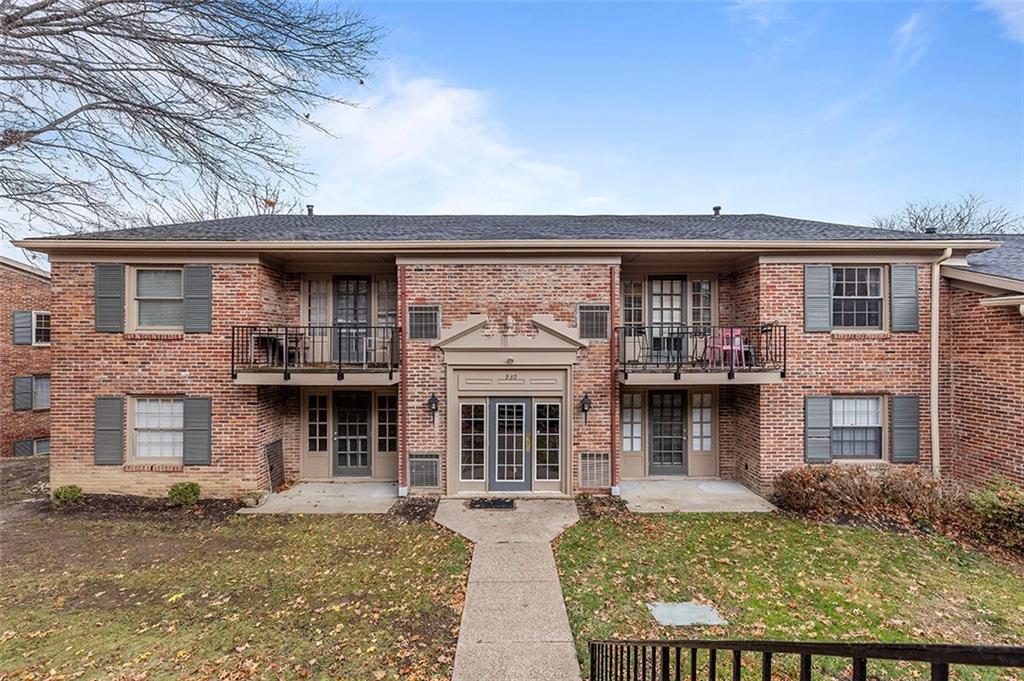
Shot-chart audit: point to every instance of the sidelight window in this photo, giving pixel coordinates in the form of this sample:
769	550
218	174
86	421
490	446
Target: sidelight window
471	441
549	441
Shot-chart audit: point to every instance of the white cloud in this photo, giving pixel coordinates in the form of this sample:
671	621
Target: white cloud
422	146
1010	14
762	12
910	42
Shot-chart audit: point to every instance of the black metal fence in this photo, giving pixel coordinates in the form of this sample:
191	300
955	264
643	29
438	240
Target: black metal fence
678	348
679	660
292	348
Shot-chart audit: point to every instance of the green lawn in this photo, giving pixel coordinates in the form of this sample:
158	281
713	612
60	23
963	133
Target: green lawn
782	578
249	597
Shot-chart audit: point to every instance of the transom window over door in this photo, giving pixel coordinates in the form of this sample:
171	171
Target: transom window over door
857	427
857	297
158	298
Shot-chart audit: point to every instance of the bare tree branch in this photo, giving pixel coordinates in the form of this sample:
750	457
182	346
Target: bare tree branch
106	106
970	214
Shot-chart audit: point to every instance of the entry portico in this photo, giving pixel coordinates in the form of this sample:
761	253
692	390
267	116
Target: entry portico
509	405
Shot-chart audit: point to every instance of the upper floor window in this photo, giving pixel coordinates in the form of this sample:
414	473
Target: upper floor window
387	302
593	322
31	392
40	328
633	305
158	298
700	302
424	322
857	297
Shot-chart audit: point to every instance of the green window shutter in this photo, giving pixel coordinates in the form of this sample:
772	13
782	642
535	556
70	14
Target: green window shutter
22	328
817	429
905	414
903	292
198	421
817	298
198	298
109	298
22	393
23	448
108	438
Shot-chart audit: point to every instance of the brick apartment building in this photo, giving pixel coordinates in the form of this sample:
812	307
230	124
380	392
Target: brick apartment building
24	359
526	354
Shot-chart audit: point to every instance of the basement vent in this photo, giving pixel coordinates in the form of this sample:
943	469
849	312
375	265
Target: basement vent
425	470
595	470
275	463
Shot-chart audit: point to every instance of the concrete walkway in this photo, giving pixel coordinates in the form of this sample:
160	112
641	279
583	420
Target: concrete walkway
514	624
685	495
331	497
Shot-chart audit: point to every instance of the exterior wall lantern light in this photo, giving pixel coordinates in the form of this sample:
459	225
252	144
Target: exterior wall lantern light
433	403
585	405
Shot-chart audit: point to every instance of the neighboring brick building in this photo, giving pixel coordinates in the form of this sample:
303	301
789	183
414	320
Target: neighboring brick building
983	345
24	359
499	354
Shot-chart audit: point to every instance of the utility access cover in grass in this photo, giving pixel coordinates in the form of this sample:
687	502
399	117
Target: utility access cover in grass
684	614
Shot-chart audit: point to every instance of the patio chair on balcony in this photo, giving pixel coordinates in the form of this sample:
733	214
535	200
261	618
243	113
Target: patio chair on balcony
727	349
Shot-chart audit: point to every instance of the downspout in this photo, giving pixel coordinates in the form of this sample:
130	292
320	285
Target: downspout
403	390
616	459
933	401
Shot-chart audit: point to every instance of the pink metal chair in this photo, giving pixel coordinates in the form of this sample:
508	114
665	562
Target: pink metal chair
727	348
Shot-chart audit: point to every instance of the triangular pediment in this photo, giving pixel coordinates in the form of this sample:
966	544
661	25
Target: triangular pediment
477	334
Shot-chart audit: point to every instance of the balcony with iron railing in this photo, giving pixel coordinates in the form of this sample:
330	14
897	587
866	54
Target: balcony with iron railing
701	353
315	355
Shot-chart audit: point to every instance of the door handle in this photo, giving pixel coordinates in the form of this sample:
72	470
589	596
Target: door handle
529	443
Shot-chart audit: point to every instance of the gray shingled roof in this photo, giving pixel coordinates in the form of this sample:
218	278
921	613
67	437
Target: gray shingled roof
501	227
1005	261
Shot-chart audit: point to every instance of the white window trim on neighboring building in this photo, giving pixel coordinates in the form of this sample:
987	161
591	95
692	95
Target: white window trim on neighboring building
37	442
38	315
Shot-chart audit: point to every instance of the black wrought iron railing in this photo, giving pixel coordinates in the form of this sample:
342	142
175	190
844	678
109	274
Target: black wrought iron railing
339	348
678	348
678	660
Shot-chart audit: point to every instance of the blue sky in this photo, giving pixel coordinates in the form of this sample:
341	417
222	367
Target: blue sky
829	111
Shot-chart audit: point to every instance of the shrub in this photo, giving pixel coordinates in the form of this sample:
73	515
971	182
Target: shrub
183	494
68	494
907	497
999	506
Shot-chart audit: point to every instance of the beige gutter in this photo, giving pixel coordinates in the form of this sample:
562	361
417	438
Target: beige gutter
503	246
1005	301
933	402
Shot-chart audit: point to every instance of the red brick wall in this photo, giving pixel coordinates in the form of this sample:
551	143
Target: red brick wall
20	291
829	363
498	291
985	379
87	364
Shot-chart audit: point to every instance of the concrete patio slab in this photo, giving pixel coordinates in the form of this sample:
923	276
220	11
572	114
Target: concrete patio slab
345	498
684	614
684	495
532	520
514	625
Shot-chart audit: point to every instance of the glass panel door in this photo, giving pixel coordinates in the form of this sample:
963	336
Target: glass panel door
668	433
511	444
352	318
668	319
351	433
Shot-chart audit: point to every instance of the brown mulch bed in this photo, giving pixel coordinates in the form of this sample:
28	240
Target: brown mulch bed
592	507
415	509
127	507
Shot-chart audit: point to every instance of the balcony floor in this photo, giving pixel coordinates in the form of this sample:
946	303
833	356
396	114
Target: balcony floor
661	376
300	376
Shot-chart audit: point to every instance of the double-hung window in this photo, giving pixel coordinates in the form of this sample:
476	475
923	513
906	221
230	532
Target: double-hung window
40	328
158	428
40	392
857	427
857	297
31	393
158	299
